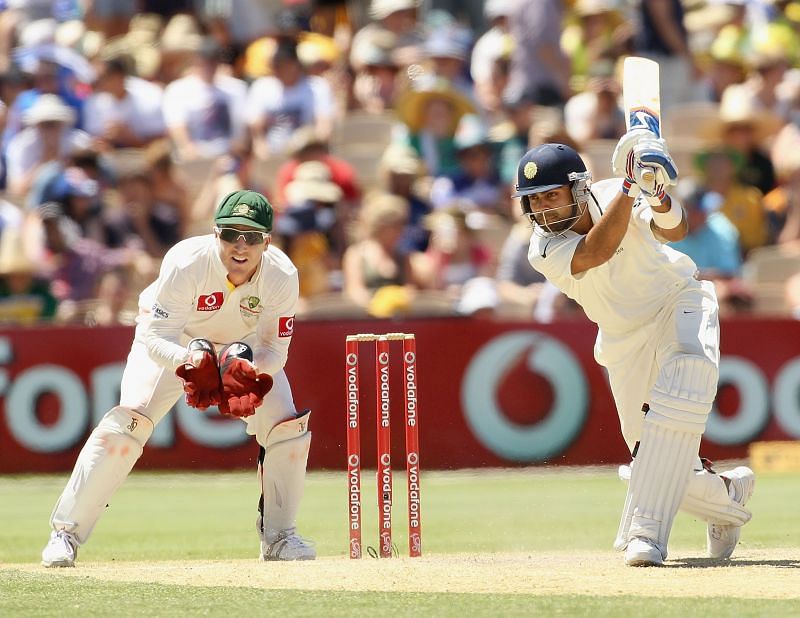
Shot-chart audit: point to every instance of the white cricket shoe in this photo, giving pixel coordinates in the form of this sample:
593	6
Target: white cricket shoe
288	546
642	552
723	538
60	551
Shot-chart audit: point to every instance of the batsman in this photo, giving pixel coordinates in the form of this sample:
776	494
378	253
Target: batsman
231	292
604	245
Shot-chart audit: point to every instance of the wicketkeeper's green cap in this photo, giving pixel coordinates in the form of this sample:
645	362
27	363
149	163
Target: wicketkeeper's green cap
245	208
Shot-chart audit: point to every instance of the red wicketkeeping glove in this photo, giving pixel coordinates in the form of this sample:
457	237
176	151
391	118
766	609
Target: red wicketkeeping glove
243	387
200	375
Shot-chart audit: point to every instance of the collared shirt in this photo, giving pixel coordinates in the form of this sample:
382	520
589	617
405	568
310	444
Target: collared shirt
192	297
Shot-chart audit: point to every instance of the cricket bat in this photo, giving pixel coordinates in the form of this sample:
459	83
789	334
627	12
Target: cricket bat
642	97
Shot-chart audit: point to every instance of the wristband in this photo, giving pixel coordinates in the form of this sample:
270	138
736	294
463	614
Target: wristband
670	219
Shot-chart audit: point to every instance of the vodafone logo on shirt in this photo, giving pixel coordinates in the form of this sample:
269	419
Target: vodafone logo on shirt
286	326
210	302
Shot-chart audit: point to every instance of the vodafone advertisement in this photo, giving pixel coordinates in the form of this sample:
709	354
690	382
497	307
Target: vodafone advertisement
489	394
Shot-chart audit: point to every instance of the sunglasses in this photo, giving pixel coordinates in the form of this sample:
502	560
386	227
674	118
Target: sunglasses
251	237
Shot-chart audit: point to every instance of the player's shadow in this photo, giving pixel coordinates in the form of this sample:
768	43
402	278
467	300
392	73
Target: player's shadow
707	563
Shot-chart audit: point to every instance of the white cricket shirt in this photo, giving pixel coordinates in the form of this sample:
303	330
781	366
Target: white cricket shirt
629	290
192	297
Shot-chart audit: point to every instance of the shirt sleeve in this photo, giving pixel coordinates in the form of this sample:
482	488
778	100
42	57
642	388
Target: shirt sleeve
172	304
275	328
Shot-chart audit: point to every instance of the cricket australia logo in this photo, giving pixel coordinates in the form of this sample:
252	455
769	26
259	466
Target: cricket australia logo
241	209
250	307
253	301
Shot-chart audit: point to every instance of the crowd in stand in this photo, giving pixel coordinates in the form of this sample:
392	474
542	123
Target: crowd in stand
386	135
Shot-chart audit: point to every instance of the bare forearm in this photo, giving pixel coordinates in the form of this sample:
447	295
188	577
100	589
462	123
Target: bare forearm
602	241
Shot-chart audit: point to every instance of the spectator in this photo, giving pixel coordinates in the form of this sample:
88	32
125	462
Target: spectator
783	202
446	53
124	111
538	63
741	204
308	145
398	18
169	190
494	44
49	136
743	128
399	173
375	84
727	66
479	299
476	180
24	296
204	110
455	254
600	32
309	230
374	261
279	104
431	111
662	36
112	305
595	113
712	241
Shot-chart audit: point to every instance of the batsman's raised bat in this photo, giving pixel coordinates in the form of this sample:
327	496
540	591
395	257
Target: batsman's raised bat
642	98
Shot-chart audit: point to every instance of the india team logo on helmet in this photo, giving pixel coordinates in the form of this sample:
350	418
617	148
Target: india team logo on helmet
546	167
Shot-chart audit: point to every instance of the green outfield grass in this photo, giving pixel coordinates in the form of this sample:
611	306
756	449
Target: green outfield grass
203	517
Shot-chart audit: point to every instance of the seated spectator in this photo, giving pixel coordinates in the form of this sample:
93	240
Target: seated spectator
204	110
518	283
477	179
430	112
374	261
375	84
713	244
446	52
399	173
306	144
510	137
743	127
49	136
50	183
124	111
595	113
144	220
25	297
455	253
741	204
74	264
114	299
169	190
47	78
398	20
279	104
310	231
727	66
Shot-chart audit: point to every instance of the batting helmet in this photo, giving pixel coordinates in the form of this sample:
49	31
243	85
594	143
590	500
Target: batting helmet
547	167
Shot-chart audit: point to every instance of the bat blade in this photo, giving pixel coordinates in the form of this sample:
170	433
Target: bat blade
642	98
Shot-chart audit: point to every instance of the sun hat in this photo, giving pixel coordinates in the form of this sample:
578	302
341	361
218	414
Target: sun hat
49	108
312	182
245	208
411	104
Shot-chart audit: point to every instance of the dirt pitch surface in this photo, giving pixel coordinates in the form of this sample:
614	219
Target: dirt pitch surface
756	574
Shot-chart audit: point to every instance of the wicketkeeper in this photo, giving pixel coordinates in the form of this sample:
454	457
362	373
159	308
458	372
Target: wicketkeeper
604	245
214	327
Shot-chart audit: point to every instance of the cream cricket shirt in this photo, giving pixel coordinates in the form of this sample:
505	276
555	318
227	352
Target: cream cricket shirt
192	297
629	290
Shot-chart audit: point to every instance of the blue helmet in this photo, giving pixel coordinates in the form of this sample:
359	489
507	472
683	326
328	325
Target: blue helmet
545	167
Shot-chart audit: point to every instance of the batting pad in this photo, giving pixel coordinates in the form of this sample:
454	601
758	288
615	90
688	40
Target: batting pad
284	472
707	498
102	466
658	484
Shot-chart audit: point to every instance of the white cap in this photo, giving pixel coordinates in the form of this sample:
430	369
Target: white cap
497	8
476	294
49	107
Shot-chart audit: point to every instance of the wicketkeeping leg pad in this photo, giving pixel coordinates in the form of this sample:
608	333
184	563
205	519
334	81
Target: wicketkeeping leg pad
104	463
284	471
